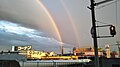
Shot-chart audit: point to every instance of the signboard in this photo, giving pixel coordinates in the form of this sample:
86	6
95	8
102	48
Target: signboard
23	48
35	54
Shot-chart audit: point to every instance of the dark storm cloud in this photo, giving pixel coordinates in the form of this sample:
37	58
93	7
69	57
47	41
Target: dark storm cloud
13	34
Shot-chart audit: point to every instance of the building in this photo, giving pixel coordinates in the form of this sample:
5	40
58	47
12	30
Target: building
86	51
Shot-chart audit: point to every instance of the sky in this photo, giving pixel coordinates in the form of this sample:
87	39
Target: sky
48	24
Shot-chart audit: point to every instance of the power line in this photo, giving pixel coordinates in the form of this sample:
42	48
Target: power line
101	22
107	4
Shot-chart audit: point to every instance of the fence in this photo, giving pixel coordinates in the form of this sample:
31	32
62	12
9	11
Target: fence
51	64
44	63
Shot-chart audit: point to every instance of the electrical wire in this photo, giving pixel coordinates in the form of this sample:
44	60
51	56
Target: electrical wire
108	4
101	22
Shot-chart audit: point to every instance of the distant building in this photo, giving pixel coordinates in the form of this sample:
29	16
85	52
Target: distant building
86	51
107	47
12	56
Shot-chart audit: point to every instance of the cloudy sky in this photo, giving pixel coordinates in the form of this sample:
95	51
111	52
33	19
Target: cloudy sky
46	24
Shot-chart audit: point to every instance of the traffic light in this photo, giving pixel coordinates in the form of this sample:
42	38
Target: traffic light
112	30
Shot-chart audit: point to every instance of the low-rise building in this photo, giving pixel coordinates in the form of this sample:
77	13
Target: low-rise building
86	51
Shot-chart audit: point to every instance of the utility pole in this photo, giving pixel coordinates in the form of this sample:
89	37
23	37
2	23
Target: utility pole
94	33
93	30
118	44
62	52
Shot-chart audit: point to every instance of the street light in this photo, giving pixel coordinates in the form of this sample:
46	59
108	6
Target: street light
112	30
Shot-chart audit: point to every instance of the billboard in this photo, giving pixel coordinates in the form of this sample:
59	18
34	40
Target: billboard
22	48
35	54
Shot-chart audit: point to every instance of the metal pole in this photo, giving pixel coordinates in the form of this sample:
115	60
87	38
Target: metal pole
118	44
105	1
37	64
119	51
62	50
95	34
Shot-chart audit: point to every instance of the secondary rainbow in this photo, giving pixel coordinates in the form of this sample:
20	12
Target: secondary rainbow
71	21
